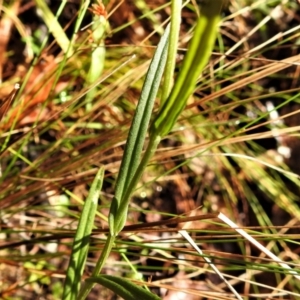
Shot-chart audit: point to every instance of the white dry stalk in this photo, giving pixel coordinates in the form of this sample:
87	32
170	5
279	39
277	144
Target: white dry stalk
258	245
193	244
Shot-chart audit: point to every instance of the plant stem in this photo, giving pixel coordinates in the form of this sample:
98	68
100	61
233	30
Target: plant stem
152	146
172	49
87	286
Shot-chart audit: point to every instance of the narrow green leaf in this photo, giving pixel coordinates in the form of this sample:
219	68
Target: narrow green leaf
82	239
54	26
137	134
132	153
195	60
124	288
172	49
97	57
87	286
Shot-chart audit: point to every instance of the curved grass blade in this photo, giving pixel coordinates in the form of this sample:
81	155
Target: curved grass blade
123	287
82	239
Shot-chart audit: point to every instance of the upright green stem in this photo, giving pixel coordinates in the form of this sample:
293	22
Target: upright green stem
195	60
152	146
137	135
87	286
97	57
172	49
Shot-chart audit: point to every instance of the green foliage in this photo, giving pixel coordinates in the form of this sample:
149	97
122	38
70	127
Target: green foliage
195	60
132	153
82	238
123	287
136	138
54	26
212	154
97	57
131	167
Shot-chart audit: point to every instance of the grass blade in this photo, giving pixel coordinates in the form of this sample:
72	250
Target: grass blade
82	238
123	287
